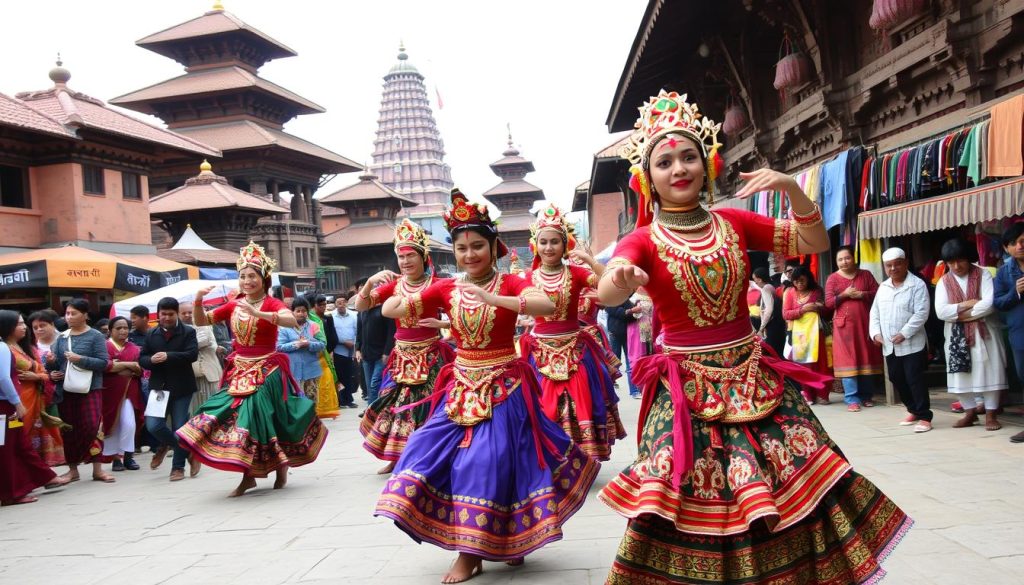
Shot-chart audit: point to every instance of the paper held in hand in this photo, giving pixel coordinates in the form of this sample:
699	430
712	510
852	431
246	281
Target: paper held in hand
157	404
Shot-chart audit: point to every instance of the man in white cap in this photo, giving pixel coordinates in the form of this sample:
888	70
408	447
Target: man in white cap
898	315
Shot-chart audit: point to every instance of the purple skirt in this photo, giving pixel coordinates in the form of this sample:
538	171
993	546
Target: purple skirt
482	489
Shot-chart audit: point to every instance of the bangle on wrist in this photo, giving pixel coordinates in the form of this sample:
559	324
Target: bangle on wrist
522	304
360	294
811	218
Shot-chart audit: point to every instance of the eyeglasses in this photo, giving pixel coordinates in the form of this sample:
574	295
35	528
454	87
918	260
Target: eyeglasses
788	270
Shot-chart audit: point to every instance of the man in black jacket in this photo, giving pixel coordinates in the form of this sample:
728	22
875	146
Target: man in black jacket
618	319
168	353
375	338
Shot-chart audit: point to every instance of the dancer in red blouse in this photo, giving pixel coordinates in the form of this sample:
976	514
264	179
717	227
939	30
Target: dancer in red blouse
577	389
261	421
736	481
488	475
419	350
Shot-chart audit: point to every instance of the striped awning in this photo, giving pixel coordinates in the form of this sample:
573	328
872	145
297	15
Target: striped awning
970	206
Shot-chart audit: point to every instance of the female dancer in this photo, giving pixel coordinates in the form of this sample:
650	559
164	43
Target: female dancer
487	475
122	397
260	421
735	481
577	390
419	353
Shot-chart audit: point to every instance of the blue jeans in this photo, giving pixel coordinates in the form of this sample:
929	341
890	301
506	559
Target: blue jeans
178	410
857	389
620	351
372	372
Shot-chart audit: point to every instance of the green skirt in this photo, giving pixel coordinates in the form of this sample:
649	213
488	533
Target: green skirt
255	434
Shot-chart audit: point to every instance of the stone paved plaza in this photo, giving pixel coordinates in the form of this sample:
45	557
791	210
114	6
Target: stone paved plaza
964	488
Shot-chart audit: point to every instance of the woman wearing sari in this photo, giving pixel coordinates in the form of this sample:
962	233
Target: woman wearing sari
804	307
327	387
41	428
21	469
122	397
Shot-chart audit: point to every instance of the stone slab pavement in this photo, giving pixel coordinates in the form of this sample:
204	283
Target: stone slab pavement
963	487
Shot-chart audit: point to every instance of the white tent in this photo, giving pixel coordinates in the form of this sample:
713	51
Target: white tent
184	290
190	240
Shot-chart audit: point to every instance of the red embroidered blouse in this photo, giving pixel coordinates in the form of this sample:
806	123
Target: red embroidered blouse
249	332
699	286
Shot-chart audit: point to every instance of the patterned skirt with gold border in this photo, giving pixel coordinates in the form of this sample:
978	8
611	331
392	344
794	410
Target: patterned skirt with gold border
771	500
255	434
490	489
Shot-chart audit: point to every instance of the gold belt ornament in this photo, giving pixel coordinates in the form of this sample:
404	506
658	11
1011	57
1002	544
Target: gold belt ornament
471	399
248	375
413	360
741	393
557	357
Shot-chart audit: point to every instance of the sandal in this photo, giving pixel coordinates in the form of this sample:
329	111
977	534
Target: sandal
105	478
59	481
22	500
868	403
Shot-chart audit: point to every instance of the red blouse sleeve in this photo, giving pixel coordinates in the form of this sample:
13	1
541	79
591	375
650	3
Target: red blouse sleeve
221	313
273	305
764	233
582	278
429	300
634	249
513	286
383	292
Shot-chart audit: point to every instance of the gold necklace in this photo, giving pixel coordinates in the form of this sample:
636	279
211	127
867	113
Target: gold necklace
256	302
481	280
552	269
692	220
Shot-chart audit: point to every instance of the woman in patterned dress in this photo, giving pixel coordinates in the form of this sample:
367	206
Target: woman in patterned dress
260	422
577	389
736	481
419	350
488	475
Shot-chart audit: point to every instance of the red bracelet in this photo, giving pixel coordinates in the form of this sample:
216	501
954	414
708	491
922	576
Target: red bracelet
522	304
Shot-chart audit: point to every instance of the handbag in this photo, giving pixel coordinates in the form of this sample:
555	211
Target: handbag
77	380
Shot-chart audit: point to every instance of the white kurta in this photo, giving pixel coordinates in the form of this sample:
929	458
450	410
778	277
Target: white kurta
988	356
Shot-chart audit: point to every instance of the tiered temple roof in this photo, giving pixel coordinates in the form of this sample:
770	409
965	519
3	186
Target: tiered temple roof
514	195
408	153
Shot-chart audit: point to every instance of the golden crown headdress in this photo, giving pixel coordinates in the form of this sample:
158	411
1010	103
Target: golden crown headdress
664	114
551	217
463	213
409	234
255	256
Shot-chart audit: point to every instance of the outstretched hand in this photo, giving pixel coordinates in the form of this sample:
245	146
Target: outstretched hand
475	293
764	179
629	277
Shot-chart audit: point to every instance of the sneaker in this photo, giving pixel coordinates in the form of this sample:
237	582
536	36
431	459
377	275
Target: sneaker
957	407
922	427
853	407
129	463
911	419
177	474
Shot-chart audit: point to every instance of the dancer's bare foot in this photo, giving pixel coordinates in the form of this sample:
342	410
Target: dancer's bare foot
516	562
246	484
282	478
386	469
463	569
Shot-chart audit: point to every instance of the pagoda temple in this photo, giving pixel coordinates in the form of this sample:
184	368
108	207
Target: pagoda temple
408	154
222	101
514	196
365	245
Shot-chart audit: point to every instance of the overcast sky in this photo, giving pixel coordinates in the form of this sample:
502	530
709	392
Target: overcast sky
547	67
